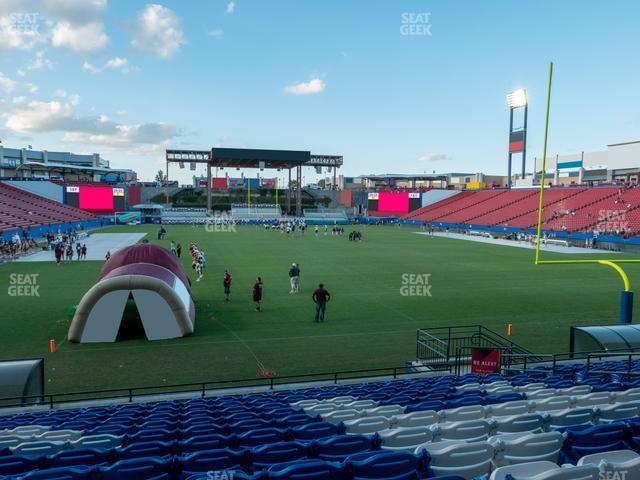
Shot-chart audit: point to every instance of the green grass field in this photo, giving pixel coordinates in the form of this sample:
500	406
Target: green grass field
369	323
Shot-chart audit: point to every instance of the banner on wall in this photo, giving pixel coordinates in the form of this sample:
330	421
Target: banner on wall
485	361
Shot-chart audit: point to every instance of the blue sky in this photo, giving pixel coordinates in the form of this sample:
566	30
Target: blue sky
129	79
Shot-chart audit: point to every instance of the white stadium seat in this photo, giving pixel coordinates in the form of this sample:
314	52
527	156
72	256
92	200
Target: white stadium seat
103	440
531	447
469	431
593	399
405	438
571	416
61	435
617	411
541	394
545	471
528	422
517	407
337	416
39	448
384	411
367	424
342	399
471	412
577	390
557	402
625	462
361	404
416	419
468	460
631	395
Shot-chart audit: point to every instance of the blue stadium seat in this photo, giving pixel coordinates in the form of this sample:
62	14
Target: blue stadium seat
387	465
594	439
252	424
153	448
162	435
81	456
14	464
502	398
428	405
316	430
211	460
295	420
306	470
62	473
267	455
206	442
338	447
260	436
138	469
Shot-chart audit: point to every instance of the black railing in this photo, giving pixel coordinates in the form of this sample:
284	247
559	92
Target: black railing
441	345
521	363
201	389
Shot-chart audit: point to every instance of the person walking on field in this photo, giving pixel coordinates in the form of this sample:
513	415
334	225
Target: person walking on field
294	277
257	293
320	297
226	282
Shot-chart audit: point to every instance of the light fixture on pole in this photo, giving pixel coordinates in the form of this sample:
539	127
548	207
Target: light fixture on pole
518	137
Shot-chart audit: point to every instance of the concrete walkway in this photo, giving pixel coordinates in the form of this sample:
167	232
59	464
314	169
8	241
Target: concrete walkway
513	243
98	244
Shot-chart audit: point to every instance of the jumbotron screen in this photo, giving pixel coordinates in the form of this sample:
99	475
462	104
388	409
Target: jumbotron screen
396	202
97	199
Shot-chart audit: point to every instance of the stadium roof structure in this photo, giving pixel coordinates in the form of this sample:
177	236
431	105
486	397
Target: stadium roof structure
408	176
255	158
72	168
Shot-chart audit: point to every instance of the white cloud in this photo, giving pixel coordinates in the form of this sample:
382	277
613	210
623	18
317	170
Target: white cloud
115	63
216	33
76	24
40	62
6	84
433	157
89	67
60	93
32	88
74	11
231	7
35	117
315	85
122	113
158	31
20	31
79	38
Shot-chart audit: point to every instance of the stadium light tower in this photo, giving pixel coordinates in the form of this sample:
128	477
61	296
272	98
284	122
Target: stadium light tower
518	137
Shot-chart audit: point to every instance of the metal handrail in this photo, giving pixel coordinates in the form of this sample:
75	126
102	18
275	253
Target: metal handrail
200	387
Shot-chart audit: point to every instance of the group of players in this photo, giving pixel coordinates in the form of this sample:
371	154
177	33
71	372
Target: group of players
197	260
12	249
288	226
64	251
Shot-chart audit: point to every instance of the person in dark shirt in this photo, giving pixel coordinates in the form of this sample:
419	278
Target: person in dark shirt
178	250
257	293
320	297
226	282
294	277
